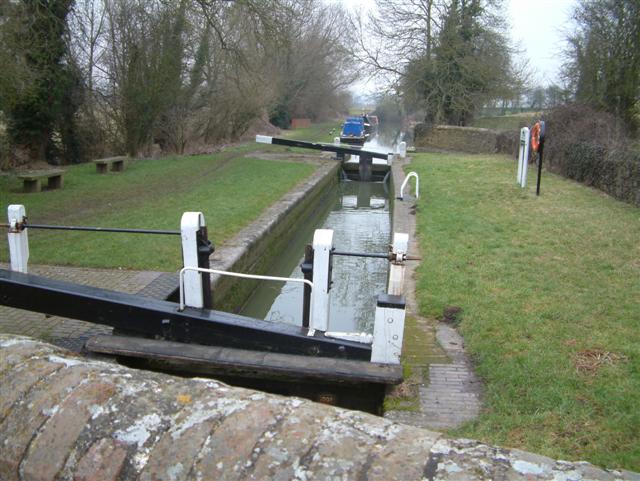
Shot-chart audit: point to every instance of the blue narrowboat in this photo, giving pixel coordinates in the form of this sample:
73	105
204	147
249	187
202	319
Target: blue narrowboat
354	131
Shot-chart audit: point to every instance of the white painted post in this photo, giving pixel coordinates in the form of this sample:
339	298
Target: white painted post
525	164
388	329
336	141
402	149
190	224
18	238
400	247
523	156
322	245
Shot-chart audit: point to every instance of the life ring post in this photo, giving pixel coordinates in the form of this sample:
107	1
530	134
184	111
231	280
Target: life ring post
537	144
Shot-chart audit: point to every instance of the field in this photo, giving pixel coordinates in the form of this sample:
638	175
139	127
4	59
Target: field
550	294
231	188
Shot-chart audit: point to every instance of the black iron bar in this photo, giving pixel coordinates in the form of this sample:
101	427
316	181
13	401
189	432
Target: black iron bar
307	270
360	254
390	256
205	249
539	167
96	229
542	135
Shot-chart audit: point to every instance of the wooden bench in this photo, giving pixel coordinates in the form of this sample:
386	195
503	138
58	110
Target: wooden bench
32	179
117	164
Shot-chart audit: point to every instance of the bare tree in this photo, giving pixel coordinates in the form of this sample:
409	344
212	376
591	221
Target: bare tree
178	73
87	25
447	57
395	33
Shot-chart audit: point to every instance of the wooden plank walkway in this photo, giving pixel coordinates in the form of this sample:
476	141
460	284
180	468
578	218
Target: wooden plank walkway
217	360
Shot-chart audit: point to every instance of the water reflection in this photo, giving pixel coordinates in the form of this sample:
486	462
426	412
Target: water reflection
361	222
384	141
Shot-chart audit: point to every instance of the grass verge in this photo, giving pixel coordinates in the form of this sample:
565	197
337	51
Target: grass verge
230	189
550	293
321	132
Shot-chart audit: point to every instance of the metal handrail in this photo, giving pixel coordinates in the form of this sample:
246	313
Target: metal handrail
406	180
235	274
25	225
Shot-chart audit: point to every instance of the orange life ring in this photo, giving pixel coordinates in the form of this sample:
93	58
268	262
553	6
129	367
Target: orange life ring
537	136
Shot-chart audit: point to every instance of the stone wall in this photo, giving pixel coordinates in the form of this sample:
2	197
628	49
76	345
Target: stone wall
466	139
66	418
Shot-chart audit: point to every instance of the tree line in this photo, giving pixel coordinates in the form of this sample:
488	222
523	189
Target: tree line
83	78
603	58
447	59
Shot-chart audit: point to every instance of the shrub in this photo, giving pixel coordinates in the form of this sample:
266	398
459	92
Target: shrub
591	147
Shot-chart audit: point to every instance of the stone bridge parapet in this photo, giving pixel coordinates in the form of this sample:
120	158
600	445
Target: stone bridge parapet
63	417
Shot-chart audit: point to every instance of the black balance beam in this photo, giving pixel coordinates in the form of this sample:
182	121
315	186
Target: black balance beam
339	149
155	318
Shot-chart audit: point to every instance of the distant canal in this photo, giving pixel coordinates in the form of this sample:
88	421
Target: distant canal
358	213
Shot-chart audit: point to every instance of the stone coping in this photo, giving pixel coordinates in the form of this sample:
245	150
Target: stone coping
65	417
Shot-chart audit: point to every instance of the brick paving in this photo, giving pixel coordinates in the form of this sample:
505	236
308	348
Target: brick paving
453	394
71	333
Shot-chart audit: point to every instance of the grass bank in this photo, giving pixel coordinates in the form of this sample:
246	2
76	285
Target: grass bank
550	293
231	189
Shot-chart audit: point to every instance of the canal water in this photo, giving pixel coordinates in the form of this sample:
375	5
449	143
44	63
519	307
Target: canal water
358	213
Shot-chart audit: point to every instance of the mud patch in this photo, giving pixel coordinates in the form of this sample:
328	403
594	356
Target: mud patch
451	315
589	361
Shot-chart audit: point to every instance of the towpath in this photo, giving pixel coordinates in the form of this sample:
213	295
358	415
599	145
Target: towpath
447	390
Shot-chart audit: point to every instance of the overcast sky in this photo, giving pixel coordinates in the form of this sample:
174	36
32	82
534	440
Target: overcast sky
537	27
540	27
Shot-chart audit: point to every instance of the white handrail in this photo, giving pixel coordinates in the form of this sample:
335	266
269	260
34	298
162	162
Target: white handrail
406	180
234	274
